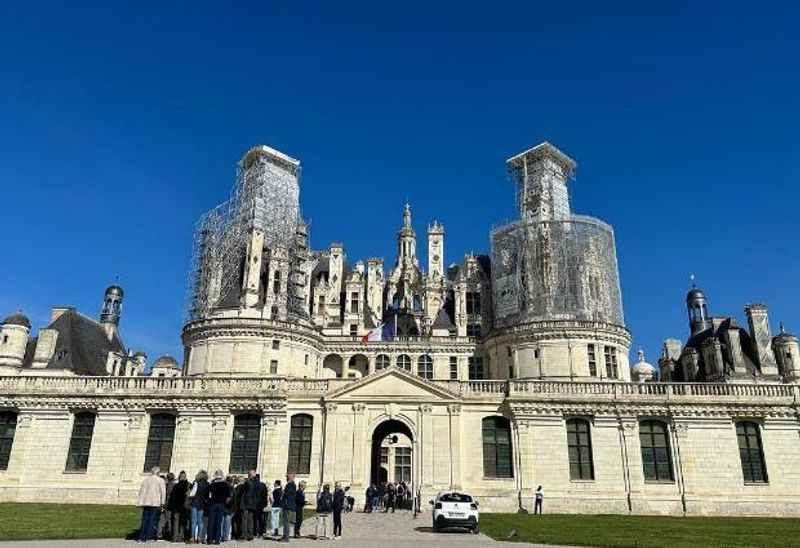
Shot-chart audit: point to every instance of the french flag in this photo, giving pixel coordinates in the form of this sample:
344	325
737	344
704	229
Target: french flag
373	335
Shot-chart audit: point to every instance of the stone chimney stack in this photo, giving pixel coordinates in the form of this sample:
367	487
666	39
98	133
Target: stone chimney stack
758	319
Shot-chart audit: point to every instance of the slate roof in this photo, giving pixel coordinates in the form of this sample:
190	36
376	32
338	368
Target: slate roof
443	321
17	319
82	345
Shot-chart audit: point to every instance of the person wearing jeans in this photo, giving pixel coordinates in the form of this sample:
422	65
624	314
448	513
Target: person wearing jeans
199	501
152	497
288	502
275	513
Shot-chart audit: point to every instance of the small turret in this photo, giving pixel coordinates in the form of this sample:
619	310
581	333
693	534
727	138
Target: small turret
787	354
14	333
697	306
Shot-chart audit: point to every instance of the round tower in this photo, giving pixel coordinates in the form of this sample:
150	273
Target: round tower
697	306
787	354
14	333
112	305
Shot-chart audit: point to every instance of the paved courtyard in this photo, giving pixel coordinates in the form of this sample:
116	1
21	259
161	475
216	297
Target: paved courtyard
360	531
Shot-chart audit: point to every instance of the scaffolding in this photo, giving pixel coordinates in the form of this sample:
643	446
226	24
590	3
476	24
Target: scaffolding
265	198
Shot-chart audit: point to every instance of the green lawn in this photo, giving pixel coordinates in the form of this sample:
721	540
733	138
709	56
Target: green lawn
643	531
23	521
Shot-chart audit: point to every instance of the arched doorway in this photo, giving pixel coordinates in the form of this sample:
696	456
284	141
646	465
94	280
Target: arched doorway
392	451
358	366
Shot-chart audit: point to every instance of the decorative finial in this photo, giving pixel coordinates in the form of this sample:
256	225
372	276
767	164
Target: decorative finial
691	279
781	328
641	354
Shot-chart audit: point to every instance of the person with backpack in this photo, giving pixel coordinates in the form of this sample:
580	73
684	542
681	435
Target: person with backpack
324	509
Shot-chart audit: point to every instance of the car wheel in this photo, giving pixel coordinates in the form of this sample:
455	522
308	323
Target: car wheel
475	530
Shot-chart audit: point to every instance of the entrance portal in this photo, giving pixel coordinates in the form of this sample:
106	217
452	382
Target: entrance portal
391	453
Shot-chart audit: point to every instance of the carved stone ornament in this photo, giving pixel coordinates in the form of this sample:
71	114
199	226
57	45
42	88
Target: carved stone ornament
24	421
135	422
682	430
454	408
330	407
359	407
426	408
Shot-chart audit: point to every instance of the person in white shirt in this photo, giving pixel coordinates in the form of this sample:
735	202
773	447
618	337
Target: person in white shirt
539	495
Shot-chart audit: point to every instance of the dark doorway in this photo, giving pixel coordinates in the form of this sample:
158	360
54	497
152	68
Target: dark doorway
386	436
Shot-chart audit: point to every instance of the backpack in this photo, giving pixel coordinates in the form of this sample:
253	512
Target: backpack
325	503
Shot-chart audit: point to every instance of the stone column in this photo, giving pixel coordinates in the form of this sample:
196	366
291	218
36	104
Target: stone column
273	446
346	365
525	451
329	447
371	368
455	445
135	446
357	478
219	453
427	449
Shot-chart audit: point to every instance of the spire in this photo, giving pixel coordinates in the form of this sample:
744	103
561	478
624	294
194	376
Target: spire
407	216
640	354
783	331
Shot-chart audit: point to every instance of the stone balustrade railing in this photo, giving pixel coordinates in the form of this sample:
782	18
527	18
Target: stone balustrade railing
476	389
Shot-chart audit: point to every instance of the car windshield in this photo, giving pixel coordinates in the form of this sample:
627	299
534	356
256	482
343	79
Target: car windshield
455	497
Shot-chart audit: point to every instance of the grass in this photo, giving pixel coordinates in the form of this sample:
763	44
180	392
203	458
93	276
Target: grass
31	521
643	531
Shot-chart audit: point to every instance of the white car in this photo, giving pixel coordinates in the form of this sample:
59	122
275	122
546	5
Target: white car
452	509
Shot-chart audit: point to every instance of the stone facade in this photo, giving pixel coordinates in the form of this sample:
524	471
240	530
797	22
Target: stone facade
492	376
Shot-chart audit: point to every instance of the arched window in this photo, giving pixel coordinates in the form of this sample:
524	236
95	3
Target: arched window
80	442
404	362
382	362
300	444
244	447
159	442
497	448
656	458
425	367
579	442
8	426
751	452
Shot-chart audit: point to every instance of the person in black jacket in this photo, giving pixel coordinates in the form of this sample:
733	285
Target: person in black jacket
288	502
238	511
259	523
299	504
338	506
275	512
219	494
249	505
176	504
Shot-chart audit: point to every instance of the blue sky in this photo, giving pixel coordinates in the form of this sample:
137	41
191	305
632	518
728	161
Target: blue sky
120	125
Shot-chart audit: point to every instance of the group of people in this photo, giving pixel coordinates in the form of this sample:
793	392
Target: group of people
231	507
387	496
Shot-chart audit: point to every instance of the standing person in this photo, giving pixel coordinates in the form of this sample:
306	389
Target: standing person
368	498
176	505
238	512
259	521
324	509
165	521
275	513
288	502
539	495
227	511
390	494
218	495
249	505
338	506
199	502
152	496
401	495
299	504
376	498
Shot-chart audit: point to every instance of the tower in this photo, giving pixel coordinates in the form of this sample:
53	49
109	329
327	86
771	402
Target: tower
787	353
541	175
14	333
406	240
435	250
697	307
112	310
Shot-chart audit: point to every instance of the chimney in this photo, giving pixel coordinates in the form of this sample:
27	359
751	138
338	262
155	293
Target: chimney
758	320
59	311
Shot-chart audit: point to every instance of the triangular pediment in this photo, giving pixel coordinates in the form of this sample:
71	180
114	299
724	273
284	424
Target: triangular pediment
393	384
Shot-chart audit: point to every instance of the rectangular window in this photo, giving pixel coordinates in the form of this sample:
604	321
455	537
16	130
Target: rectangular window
473	303
159	442
273	367
579	443
354	301
321	306
302	427
276	345
475	368
536	353
656	459
384	455
508	351
510	371
244	446
80	443
473	330
497	448
751	452
353	330
402	464
305	360
610	354
8	426
453	368
592	360
276	283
